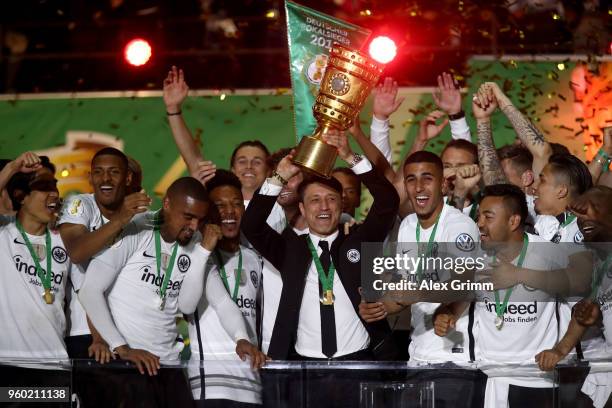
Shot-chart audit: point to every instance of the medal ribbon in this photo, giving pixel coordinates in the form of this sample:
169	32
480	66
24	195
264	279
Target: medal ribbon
429	248
327	279
499	308
568	220
224	274
164	286
45	279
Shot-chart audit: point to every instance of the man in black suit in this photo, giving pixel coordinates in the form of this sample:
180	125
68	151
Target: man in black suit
318	313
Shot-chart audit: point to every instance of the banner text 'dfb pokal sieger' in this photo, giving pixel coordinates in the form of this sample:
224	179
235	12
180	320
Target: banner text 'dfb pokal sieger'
312	37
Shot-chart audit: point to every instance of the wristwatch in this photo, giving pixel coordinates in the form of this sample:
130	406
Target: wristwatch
279	178
356	159
458	115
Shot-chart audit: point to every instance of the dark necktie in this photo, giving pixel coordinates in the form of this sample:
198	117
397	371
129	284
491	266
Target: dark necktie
328	319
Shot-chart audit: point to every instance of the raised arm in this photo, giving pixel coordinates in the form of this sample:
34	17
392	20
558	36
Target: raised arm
483	106
531	137
448	98
385	103
372	152
428	130
82	244
269	243
26	163
175	92
600	164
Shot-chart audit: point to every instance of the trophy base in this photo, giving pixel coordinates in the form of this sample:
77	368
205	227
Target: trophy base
316	156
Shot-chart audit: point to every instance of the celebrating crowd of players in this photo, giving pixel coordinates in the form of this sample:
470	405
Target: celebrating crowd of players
263	262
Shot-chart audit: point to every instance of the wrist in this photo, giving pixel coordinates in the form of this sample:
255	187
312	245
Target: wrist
380	117
483	120
348	157
280	177
173	108
455	115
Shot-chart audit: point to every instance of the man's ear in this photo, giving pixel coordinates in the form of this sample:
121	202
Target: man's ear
514	222
562	191
128	178
301	205
166	203
527	178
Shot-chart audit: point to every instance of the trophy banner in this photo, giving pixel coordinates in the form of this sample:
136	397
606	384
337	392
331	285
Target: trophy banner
311	35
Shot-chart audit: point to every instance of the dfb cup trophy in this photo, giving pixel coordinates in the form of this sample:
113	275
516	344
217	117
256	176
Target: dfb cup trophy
349	78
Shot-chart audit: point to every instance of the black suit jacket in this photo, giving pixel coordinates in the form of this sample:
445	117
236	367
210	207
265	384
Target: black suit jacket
289	253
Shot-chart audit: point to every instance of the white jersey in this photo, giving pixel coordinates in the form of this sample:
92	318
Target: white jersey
272	281
224	380
460	234
80	209
604	299
549	228
529	326
134	299
31	328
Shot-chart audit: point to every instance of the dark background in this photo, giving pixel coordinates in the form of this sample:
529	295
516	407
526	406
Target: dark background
70	45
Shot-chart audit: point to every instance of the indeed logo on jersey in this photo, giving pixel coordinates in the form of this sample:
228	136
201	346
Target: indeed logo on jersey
605	300
245	303
151	278
22	265
514	308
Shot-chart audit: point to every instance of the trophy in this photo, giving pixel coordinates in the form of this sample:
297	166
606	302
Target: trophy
349	78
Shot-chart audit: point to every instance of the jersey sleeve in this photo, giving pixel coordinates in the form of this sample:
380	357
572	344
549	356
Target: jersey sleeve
75	211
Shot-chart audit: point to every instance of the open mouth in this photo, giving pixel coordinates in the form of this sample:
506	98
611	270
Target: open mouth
53	207
229	221
421	200
324	216
248	174
106	189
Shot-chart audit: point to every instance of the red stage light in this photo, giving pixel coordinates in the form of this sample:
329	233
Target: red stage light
383	49
137	52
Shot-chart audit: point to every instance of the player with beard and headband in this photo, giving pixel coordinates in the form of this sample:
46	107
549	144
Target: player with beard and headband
134	290
520	321
226	384
88	224
36	269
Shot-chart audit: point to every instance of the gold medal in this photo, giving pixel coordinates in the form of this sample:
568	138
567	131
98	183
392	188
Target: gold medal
499	322
328	298
48	296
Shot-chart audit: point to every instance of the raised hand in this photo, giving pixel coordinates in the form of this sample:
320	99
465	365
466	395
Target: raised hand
133	204
386	100
285	168
484	103
205	171
466	178
428	129
27	162
175	90
339	140
212	235
447	96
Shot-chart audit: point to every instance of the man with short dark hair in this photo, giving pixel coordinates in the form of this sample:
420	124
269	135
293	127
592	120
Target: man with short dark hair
134	289
35	271
562	180
88	224
317	318
504	335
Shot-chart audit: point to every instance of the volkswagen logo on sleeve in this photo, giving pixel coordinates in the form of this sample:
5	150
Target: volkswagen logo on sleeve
465	242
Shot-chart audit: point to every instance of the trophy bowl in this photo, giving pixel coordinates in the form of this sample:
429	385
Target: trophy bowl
348	80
